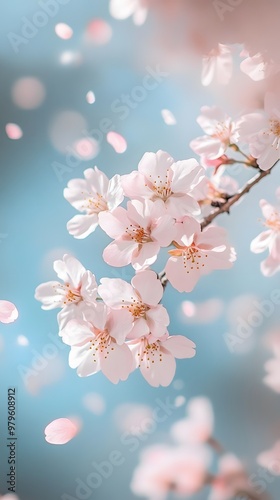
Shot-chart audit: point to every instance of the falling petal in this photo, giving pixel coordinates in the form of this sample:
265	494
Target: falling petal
61	431
117	142
168	117
13	131
90	97
8	312
28	93
63	31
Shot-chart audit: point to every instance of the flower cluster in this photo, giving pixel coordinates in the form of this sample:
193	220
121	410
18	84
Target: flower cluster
117	327
185	467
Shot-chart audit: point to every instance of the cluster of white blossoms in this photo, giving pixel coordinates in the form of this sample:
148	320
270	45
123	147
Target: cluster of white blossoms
117	326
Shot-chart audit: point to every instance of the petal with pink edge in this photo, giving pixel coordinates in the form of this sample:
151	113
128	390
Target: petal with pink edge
8	312
61	431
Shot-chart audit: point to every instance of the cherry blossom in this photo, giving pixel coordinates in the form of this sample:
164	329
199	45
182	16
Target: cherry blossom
197	253
159	177
156	357
272	378
197	427
270	459
141	299
164	469
259	66
217	66
139	232
122	9
231	480
8	312
98	343
221	133
93	195
61	431
77	291
261	131
269	239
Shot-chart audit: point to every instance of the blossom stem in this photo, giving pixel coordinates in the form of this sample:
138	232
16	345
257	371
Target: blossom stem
225	207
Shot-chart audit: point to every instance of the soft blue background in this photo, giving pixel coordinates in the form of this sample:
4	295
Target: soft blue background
34	215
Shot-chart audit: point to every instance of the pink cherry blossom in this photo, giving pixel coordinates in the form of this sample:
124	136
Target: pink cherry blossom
77	291
93	195
197	427
231	480
141	299
269	239
261	130
217	66
61	431
220	130
164	469
156	357
159	177
197	253
98	344
270	459
215	189
122	9
8	312
259	66
139	232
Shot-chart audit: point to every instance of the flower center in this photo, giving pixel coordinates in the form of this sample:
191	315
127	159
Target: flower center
275	127
138	234
147	352
274	221
102	342
161	186
191	255
222	132
136	308
96	204
72	296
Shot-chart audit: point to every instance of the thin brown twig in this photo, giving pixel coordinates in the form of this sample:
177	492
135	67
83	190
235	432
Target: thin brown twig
225	207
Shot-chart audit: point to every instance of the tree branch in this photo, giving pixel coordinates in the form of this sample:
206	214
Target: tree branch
225	207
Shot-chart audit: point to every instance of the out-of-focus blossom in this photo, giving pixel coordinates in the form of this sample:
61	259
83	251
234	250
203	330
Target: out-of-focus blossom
262	132
272	378
28	93
94	402
217	66
202	312
132	418
141	299
90	97
8	312
197	427
122	9
93	195
139	232
61	431
77	290
164	469
269	239
156	357
220	130
63	31
99	32
258	67
197	253
231	480
270	459
159	177
98	344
